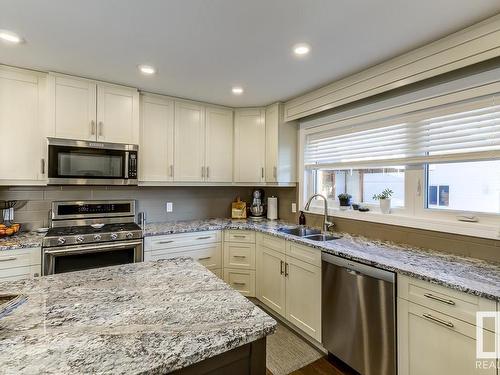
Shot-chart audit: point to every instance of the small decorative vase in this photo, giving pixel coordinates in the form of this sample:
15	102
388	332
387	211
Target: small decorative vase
385	206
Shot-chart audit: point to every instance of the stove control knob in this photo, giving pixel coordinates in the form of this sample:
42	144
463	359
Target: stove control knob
114	236
61	240
129	235
80	239
97	237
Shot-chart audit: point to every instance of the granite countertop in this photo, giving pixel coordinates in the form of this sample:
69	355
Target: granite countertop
151	317
21	240
470	275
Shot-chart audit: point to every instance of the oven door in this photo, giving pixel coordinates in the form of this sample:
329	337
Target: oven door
76	257
91	163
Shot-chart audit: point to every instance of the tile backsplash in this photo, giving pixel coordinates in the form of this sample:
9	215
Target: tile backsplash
194	202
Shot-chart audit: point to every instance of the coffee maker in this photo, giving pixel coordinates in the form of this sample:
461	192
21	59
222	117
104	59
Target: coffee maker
257	208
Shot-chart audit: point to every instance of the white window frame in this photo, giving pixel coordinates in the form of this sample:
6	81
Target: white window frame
414	214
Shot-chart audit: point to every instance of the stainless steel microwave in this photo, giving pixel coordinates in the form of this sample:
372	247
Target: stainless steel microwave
73	162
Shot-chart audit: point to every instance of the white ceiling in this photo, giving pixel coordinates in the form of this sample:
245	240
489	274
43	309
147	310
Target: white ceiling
202	48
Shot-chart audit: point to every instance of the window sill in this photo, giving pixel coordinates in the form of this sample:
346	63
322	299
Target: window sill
439	225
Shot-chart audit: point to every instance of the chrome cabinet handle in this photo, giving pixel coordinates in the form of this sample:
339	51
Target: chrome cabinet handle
204	258
92	127
238	283
281	267
208	173
171	170
275	172
239	236
262	172
7	259
439	299
42	165
203	172
101	127
165	242
286	269
437	320
204	238
239	256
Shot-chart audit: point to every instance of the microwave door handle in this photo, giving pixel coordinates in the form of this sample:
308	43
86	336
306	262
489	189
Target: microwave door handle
126	163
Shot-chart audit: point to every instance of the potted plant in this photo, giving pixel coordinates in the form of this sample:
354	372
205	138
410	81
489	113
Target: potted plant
344	199
385	200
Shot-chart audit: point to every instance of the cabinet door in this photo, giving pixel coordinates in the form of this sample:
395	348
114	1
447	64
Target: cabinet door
303	296
431	343
272	127
189	139
117	114
271	279
156	139
249	145
21	127
219	145
72	110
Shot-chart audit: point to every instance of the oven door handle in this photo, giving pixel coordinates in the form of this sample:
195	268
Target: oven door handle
90	248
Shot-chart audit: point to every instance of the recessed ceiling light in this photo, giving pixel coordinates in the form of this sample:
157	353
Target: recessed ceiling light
301	49
147	69
10	37
237	90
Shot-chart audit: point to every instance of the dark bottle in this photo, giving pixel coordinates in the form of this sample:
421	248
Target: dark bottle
302	218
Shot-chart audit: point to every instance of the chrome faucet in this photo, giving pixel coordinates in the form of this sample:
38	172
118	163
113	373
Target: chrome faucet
326	224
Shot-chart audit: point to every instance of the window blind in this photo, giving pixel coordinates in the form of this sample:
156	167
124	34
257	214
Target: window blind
460	131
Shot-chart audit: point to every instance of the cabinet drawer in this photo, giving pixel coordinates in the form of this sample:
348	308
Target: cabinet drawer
181	240
239	236
304	253
241	280
272	242
445	300
210	255
19	258
18	273
239	255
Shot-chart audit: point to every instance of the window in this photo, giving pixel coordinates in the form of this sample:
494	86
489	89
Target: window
469	186
361	184
446	158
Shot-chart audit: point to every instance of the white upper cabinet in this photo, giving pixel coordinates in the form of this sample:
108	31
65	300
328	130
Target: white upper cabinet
22	127
281	146
189	154
156	144
249	145
88	110
117	114
72	107
219	145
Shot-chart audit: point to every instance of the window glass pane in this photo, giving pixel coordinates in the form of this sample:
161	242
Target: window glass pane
361	184
468	186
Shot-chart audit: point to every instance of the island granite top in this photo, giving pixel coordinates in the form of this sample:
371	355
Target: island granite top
469	275
152	317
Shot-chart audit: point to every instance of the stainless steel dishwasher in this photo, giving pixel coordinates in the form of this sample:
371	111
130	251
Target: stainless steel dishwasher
358	315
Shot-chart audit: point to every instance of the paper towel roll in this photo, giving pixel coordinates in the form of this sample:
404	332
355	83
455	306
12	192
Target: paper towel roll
272	208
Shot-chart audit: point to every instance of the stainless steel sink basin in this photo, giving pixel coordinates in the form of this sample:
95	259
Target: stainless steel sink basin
322	237
299	231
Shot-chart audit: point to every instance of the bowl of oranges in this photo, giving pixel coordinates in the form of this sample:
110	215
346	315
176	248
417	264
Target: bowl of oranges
9	230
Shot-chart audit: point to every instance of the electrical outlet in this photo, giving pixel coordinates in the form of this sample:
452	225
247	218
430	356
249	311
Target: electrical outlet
294	207
170	206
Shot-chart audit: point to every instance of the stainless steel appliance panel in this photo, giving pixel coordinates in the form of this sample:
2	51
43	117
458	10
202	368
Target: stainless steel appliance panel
358	313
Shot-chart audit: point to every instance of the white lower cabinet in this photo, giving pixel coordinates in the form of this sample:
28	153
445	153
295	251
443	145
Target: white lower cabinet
204	247
20	264
288	285
434	337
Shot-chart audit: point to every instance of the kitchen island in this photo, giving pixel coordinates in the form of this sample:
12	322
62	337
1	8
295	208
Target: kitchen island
152	318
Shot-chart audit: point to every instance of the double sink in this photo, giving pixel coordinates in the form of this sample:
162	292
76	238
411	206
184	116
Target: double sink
308	233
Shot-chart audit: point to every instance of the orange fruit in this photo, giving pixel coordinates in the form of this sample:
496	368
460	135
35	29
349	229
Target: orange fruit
9	231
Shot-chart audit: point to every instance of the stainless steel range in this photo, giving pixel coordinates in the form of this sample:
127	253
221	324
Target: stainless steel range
91	234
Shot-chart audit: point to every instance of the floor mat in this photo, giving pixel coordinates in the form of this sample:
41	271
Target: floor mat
287	352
